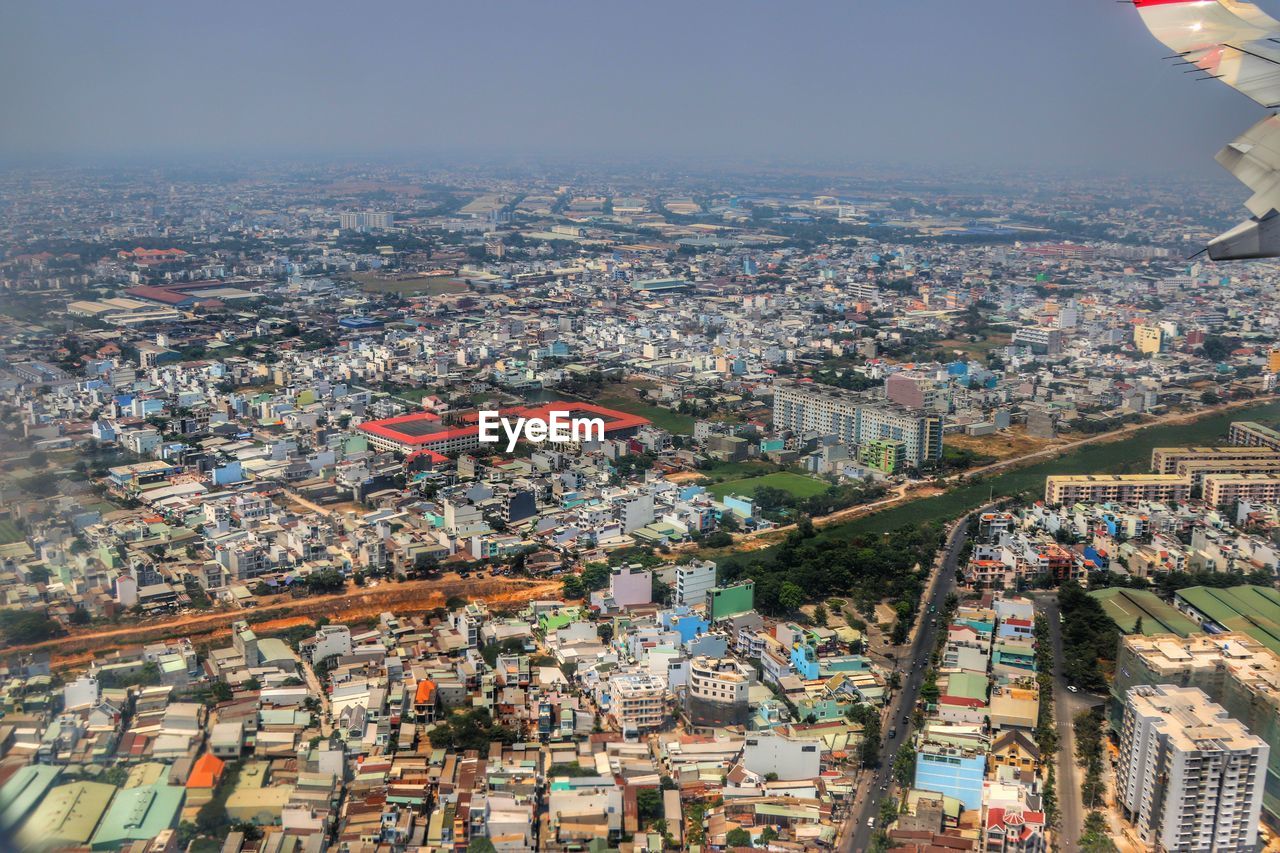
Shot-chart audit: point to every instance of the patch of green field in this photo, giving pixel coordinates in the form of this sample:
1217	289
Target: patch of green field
797	485
9	532
433	285
737	470
661	417
414	395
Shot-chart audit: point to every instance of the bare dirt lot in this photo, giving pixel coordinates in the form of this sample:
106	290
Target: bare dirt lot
276	613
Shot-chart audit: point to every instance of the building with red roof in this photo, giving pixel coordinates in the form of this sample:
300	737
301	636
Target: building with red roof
426	431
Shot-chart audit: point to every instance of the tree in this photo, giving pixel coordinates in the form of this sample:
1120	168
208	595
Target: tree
888	811
1096	837
904	765
929	691
768	835
738	837
219	692
820	616
648	804
187	831
572	587
790	597
22	627
480	844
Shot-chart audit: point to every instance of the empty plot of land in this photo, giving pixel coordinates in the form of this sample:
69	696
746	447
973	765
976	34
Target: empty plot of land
429	285
797	485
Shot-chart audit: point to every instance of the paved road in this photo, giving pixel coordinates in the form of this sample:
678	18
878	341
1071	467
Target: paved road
856	835
1065	707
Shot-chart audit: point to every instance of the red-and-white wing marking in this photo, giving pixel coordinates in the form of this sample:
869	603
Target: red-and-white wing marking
1231	40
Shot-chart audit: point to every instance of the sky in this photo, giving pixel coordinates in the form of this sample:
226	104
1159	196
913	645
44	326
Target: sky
1009	85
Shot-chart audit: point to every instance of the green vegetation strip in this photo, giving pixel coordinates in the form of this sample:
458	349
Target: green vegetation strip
1128	455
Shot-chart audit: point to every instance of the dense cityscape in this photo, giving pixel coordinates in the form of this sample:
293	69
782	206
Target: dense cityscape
918	518
659	427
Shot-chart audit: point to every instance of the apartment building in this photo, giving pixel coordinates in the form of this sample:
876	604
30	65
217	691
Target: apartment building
1167	460
1189	777
858	419
1233	669
639	701
1043	340
1226	489
1062	489
1253	434
1148	340
693	580
717	691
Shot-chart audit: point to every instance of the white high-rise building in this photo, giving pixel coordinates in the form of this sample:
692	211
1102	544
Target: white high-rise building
858	419
692	582
365	221
1190	777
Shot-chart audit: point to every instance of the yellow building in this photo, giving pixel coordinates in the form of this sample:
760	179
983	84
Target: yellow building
1125	488
1273	361
1148	339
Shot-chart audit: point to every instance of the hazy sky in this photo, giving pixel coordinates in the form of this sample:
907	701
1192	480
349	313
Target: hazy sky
1013	83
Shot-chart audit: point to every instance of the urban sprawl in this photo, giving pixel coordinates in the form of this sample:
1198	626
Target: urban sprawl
916	519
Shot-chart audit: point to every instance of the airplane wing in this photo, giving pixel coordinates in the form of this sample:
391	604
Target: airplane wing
1254	158
1236	42
1231	40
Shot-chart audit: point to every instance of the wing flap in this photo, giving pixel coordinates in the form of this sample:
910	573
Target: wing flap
1254	159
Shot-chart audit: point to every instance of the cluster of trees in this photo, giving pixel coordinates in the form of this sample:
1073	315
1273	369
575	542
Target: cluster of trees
148	675
776	503
961	458
22	627
1170	582
1087	726
473	729
316	583
868	567
1046	733
1088	730
869	718
904	766
848	379
1089	637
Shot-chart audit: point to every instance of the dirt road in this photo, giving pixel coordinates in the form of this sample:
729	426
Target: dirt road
280	612
759	539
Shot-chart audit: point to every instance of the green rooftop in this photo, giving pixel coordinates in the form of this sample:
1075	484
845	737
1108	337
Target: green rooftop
139	814
1127	606
23	791
1252	610
66	817
967	685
